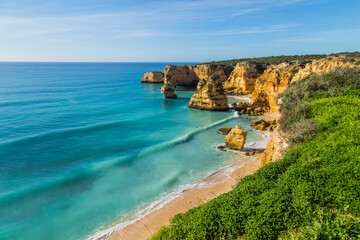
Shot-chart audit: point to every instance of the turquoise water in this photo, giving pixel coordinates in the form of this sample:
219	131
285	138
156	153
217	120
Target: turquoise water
83	145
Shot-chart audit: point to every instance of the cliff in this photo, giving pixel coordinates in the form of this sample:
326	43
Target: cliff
190	76
210	95
275	149
276	78
243	78
153	77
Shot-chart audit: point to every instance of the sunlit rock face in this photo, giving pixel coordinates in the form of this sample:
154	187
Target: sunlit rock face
243	78
153	77
236	138
190	76
210	95
276	78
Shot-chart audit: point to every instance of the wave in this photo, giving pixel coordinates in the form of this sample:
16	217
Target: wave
241	97
146	209
71	131
107	164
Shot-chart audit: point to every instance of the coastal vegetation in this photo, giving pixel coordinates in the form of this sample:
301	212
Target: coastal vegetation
287	58
312	192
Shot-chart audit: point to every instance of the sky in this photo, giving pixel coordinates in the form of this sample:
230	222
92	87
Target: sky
174	31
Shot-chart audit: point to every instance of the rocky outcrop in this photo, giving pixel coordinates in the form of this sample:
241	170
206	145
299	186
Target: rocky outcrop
276	78
263	125
252	109
153	77
236	138
275	149
224	130
190	76
243	78
210	95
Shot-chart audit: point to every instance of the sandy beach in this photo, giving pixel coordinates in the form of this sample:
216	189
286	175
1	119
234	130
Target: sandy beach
218	183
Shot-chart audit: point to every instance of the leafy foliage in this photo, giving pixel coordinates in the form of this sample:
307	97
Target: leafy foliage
270	60
280	59
296	116
347	54
312	193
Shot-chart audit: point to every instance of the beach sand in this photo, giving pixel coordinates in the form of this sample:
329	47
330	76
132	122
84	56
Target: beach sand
218	183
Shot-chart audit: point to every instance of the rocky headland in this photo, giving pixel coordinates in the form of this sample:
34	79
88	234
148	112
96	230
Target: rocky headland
191	76
243	78
264	82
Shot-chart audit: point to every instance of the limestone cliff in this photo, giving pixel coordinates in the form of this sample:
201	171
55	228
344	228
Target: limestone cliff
210	95
276	78
243	77
153	77
274	150
190	76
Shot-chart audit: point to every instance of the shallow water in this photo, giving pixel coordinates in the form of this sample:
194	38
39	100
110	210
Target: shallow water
83	145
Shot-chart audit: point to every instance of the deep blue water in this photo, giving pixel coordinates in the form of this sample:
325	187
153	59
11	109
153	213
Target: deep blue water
82	145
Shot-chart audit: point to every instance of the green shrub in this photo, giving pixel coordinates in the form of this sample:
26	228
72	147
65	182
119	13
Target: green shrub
295	121
347	54
271	60
280	59
313	192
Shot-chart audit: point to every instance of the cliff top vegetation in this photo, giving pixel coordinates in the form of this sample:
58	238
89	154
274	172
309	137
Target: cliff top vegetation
313	192
286	58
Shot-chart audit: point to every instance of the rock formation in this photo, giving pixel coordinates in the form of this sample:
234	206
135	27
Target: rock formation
277	78
210	95
153	77
263	82
190	76
253	109
236	138
275	149
263	125
224	130
243	77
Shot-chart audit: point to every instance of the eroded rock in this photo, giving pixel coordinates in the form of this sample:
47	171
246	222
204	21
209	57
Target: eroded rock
243	78
236	138
263	125
210	95
153	77
224	130
190	76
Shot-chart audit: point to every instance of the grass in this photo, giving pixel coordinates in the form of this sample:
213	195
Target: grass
312	193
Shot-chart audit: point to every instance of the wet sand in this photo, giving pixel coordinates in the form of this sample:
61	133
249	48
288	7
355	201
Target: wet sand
220	182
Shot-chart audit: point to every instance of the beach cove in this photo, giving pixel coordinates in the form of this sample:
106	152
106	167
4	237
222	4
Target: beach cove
105	147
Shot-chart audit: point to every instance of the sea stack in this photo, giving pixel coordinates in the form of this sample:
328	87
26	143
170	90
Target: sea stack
210	95
236	138
153	77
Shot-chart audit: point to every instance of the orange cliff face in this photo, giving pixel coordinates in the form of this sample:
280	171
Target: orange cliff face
277	78
190	76
243	78
153	77
262	81
210	95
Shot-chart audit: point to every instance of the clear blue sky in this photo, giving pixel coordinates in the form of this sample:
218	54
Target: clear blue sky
174	31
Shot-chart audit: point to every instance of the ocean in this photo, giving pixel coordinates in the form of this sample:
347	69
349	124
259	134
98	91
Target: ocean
84	146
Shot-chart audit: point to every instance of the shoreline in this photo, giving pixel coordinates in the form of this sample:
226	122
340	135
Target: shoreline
158	214
214	185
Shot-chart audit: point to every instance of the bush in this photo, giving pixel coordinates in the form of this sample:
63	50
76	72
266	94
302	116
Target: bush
280	59
295	121
271	60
